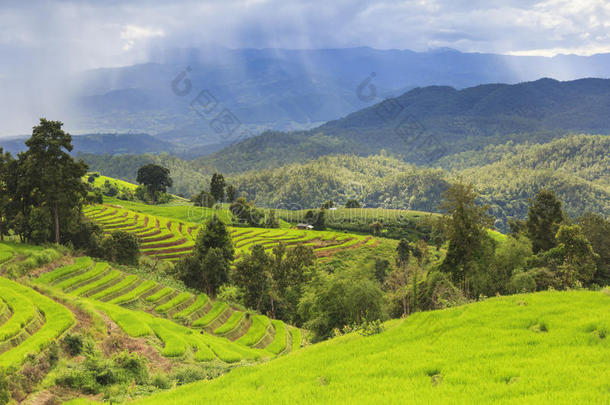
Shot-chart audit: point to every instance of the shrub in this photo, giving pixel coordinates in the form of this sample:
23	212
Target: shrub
121	247
189	374
134	365
74	344
161	381
522	282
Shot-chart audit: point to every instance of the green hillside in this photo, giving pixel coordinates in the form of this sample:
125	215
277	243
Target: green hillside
575	166
549	347
172	236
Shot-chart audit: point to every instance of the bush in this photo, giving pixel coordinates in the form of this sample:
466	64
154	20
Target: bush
439	292
74	344
121	247
161	381
522	282
133	365
189	374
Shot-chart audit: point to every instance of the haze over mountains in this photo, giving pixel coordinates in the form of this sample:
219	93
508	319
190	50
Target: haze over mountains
280	89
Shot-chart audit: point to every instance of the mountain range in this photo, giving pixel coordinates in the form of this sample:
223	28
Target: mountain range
282	89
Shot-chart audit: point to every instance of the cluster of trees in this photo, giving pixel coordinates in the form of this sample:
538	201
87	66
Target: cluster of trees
268	282
41	190
546	250
218	192
246	213
42	194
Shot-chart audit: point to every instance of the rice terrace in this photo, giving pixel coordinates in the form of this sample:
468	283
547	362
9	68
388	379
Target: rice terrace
284	202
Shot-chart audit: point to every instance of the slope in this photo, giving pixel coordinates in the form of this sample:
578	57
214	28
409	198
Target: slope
548	347
428	123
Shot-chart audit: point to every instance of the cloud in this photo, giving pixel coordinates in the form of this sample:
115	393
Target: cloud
132	33
44	42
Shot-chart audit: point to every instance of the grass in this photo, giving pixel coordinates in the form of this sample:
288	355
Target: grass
124	283
216	310
79	264
177	300
57	320
230	324
479	353
159	294
111	276
23	309
257	330
296	338
199	303
279	341
97	270
168	232
130	321
135	293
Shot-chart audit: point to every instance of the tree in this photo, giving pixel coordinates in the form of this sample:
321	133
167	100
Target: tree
381	268
337	300
53	177
231	193
270	220
290	270
316	219
579	258
203	199
5	201
376	227
403	252
253	275
352	204
465	224
543	219
156	179
217	187
208	267
121	247
597	230
327	204
397	283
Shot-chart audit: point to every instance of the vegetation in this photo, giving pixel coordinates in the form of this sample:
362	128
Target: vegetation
155	178
561	362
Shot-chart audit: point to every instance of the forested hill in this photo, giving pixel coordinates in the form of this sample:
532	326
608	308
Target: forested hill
425	124
507	176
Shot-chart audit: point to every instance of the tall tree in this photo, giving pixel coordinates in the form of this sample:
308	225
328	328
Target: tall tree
465	224
579	258
231	193
597	230
54	176
403	252
217	187
543	219
253	274
208	267
5	159
156	179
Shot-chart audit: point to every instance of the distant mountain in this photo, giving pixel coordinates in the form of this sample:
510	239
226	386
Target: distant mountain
278	89
113	144
425	124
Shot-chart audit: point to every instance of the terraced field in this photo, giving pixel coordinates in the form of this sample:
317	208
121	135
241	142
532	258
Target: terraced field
171	239
183	324
28	321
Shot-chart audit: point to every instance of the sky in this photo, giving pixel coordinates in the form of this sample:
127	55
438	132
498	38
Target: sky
89	34
43	42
